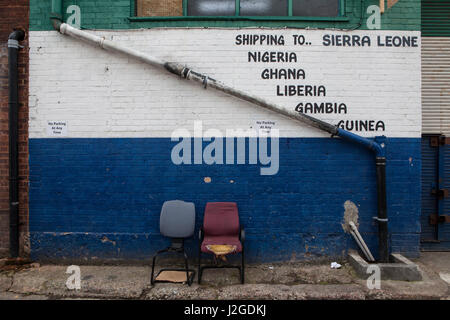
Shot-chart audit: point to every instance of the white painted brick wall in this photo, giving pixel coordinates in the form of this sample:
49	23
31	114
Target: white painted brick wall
101	94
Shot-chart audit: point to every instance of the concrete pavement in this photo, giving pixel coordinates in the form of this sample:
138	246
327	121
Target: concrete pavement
292	280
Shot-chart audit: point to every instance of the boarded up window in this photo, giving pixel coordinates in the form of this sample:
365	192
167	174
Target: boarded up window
268	8
315	8
211	7
159	8
264	7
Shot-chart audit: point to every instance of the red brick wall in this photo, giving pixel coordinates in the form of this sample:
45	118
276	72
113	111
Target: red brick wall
13	14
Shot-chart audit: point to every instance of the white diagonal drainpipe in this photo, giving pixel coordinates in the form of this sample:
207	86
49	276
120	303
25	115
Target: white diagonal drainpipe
190	74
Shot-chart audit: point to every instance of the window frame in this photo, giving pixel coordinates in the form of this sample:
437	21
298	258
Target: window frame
340	17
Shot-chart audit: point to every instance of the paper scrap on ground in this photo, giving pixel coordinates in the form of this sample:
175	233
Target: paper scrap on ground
335	265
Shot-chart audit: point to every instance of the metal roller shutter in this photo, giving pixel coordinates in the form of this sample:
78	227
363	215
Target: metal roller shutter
430	160
444	228
436	85
435	219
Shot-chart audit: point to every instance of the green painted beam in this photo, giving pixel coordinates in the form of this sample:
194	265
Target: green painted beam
119	14
236	18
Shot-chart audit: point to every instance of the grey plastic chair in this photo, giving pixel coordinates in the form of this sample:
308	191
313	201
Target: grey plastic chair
177	221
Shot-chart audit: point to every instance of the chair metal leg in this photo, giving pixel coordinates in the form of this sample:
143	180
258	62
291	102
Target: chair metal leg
199	280
188	278
242	266
153	264
152	280
153	270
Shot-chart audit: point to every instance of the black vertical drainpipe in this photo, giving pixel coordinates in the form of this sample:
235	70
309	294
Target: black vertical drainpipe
13	83
382	219
380	163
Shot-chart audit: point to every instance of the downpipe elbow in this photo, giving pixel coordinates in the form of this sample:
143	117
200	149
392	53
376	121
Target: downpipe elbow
376	146
18	35
57	22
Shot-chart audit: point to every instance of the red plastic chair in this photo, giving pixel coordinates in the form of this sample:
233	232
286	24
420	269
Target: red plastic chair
221	227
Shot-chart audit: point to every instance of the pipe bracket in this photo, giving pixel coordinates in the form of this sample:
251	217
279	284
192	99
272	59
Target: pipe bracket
13	43
205	82
185	73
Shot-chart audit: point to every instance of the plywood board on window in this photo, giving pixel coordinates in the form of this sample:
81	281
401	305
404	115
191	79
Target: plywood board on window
159	8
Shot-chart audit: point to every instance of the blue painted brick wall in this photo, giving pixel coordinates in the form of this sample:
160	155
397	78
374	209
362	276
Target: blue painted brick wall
101	198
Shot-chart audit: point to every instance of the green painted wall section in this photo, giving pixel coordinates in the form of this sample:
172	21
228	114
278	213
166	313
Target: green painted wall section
114	14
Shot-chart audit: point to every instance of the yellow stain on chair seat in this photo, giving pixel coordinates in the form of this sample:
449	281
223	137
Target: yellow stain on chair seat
220	250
